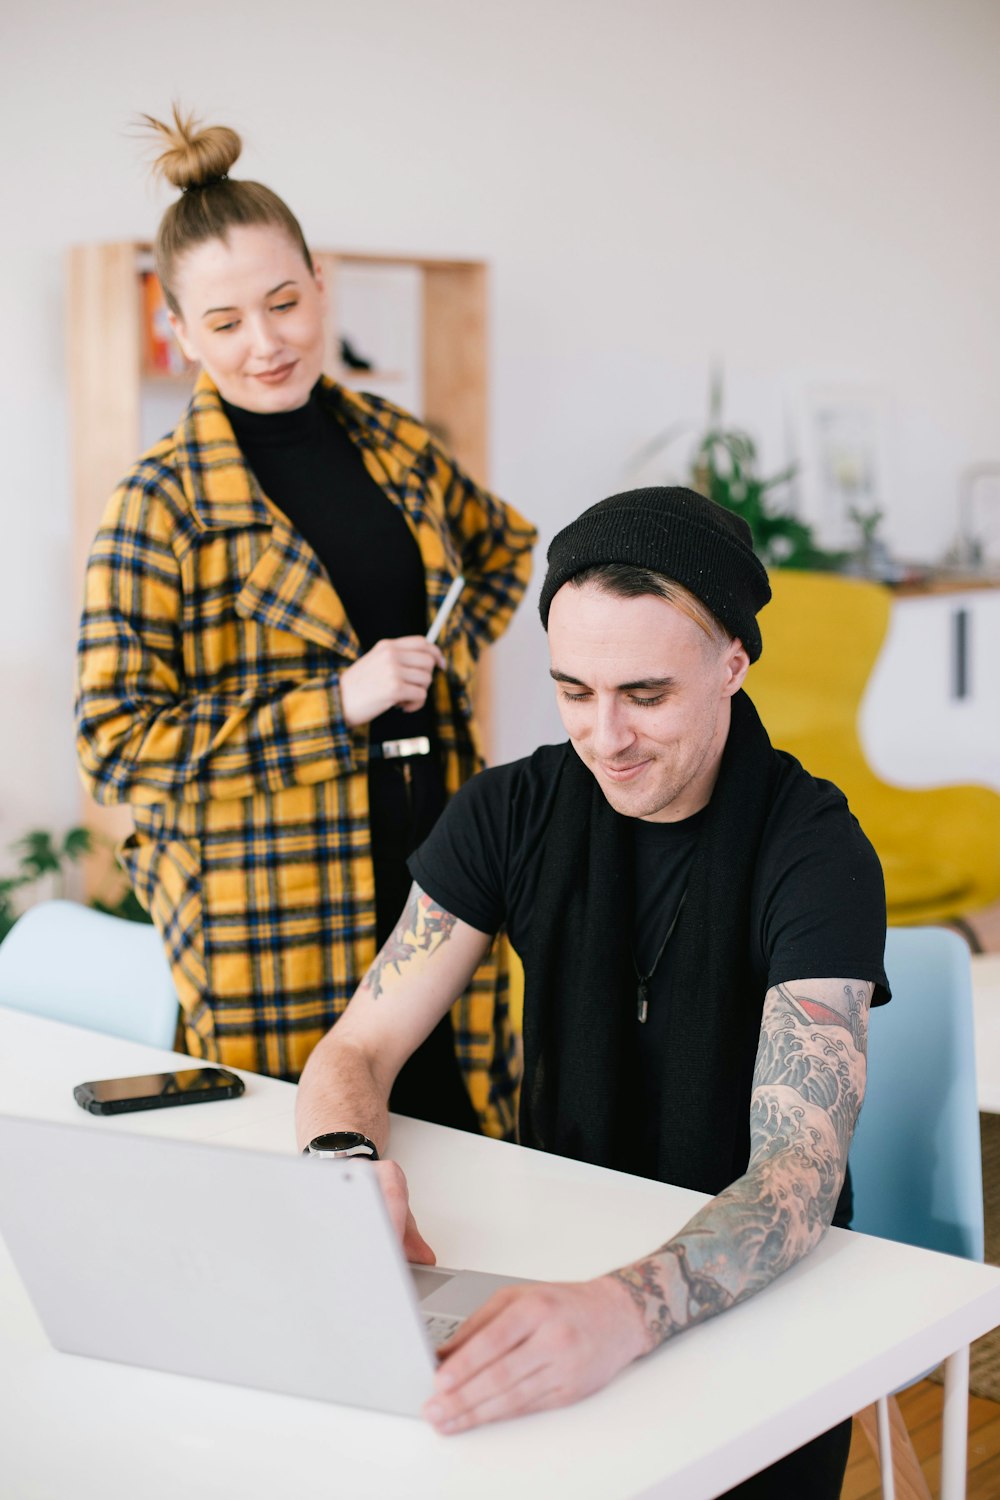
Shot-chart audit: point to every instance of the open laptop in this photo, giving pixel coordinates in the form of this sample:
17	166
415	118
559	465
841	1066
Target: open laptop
281	1272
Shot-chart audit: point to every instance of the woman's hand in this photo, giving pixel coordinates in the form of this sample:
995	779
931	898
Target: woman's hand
395	673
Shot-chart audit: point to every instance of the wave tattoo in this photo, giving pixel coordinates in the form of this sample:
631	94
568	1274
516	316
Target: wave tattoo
809	1081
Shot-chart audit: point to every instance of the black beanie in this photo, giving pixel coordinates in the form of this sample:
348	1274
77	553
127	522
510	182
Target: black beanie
678	533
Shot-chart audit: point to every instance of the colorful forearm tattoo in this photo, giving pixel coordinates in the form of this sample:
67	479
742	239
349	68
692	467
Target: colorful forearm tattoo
809	1081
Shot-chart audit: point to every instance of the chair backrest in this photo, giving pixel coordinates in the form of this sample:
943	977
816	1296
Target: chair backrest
70	963
916	1159
822	637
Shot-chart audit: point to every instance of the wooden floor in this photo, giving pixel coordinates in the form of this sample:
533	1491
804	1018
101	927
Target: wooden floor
921	1408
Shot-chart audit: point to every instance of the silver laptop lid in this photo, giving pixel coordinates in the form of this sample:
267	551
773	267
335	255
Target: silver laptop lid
258	1269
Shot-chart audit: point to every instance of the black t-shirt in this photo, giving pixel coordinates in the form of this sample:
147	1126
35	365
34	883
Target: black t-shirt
306	463
817	905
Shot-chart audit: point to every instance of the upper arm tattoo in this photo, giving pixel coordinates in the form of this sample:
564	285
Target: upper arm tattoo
811	1055
423	926
848	1009
809	1081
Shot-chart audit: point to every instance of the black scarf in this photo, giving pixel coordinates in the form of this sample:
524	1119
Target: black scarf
580	985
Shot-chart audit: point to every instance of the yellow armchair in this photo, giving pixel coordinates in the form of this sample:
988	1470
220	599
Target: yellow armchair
939	847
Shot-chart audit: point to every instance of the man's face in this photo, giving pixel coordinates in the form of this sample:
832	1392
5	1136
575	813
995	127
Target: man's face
644	695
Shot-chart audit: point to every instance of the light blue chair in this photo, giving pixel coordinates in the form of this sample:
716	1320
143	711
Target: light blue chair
72	964
916	1158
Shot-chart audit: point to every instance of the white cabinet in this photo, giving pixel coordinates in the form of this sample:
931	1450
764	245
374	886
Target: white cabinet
931	712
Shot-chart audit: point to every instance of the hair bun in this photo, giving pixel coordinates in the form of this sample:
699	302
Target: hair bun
195	156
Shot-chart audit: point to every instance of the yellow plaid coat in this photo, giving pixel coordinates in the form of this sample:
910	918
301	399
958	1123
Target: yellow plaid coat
210	650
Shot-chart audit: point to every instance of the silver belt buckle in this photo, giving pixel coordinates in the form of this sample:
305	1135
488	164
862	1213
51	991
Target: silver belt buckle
402	749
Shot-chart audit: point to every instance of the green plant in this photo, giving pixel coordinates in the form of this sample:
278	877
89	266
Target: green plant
724	467
128	907
868	523
40	854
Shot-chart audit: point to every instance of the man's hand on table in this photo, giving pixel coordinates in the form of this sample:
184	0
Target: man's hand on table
535	1347
397	1200
529	1348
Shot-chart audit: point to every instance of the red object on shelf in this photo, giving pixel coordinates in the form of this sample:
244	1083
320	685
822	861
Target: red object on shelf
162	355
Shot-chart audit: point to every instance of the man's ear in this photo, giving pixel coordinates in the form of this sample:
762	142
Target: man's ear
736	664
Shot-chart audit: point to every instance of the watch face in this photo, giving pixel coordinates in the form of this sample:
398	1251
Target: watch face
343	1143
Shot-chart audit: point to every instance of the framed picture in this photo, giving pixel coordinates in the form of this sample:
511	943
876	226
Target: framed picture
838	440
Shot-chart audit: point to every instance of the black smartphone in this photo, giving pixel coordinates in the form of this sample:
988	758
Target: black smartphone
119	1096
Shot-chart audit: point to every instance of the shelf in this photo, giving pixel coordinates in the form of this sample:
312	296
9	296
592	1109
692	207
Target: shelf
374	377
182	379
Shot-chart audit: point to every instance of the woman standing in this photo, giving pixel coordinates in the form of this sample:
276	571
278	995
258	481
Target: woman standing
254	677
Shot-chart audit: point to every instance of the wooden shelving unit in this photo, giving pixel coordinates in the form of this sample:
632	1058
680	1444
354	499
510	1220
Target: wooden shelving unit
107	383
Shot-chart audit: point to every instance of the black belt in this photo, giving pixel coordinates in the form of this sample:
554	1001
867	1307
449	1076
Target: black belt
399	749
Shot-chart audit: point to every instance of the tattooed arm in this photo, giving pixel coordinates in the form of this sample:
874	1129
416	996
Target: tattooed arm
544	1346
425	965
809	1081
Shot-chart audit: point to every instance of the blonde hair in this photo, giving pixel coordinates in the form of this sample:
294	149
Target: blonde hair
197	160
630	582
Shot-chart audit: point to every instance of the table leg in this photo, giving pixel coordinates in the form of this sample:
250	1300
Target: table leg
899	1466
955	1425
885	1455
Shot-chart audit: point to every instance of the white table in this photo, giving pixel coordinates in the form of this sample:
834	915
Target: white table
856	1319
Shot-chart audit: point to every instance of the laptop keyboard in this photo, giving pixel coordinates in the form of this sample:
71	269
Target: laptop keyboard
439	1327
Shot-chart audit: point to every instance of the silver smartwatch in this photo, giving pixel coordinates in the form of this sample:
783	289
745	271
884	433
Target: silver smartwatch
341	1145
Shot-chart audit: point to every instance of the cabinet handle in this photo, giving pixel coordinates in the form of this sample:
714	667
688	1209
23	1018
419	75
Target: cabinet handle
961	686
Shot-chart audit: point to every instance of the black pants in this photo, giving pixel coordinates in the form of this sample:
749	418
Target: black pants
405	800
815	1472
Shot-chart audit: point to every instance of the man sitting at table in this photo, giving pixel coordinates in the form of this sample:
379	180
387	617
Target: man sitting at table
702	926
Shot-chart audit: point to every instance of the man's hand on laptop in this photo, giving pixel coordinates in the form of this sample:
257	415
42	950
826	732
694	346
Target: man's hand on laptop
397	1199
533	1348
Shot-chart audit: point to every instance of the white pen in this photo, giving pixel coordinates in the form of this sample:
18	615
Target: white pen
447	604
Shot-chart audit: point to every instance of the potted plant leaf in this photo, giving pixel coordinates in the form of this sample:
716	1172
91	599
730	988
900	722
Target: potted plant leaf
41	855
724	466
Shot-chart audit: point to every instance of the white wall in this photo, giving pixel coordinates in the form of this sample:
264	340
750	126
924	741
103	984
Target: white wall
794	189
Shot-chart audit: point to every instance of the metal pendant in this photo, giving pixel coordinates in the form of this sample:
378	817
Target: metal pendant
642	1005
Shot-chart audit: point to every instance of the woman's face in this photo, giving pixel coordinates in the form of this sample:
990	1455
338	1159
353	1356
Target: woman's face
252	314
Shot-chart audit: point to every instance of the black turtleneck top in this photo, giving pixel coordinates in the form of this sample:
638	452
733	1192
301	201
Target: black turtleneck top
306	463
